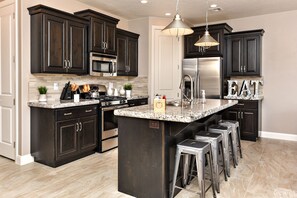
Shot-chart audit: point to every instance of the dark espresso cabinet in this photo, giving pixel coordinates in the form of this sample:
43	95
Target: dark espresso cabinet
216	31
58	41
127	53
102	32
59	136
244	51
248	114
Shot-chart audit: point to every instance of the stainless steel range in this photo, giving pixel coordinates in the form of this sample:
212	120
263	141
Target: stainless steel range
108	123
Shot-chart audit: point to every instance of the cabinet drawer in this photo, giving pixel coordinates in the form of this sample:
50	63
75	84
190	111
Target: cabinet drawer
76	112
247	104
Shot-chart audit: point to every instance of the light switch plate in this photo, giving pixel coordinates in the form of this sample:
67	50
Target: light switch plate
56	86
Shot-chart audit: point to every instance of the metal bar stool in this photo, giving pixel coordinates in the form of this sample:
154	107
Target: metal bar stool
227	140
216	142
199	150
236	129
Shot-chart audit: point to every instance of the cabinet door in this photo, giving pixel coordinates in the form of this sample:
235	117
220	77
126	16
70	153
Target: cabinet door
66	139
121	55
234	56
110	30
231	114
249	124
191	50
132	57
54	56
96	43
88	133
251	62
77	48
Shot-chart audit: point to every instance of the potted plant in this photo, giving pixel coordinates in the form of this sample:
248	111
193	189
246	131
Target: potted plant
128	89
42	93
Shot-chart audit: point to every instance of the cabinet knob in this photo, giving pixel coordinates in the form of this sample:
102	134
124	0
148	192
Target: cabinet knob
67	114
88	111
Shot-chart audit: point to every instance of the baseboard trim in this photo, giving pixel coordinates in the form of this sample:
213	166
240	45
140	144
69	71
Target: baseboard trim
279	136
24	159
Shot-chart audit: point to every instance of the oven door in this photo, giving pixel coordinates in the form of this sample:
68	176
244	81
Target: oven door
109	128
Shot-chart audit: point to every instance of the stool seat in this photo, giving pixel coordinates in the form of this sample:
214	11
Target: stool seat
190	144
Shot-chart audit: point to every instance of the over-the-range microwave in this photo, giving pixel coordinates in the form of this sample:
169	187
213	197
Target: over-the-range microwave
102	64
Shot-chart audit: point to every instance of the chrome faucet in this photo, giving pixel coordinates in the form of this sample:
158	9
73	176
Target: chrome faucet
182	87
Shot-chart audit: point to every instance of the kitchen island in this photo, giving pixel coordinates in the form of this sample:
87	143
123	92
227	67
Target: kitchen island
147	144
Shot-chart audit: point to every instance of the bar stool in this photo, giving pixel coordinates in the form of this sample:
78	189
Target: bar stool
236	129
216	142
199	150
227	140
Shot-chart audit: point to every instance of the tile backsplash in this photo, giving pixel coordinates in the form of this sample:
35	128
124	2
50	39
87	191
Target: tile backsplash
140	84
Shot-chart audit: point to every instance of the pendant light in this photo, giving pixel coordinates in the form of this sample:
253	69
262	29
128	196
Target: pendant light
206	41
177	27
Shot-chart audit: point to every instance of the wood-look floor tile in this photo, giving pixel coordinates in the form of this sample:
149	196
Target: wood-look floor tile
268	169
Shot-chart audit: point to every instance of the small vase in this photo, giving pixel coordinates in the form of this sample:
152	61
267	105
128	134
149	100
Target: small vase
122	91
42	98
128	93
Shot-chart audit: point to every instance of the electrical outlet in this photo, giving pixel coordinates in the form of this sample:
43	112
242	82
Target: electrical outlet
56	86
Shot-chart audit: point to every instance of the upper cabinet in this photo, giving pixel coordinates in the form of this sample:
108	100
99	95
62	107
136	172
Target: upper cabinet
216	31
102	32
127	53
244	51
58	41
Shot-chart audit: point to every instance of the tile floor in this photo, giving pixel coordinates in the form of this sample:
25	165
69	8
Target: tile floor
268	169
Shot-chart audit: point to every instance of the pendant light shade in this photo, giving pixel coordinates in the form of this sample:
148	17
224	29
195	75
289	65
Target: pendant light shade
177	27
206	41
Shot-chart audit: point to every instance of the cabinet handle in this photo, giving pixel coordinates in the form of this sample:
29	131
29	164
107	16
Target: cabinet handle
76	127
241	115
88	111
67	114
80	126
240	104
244	68
65	64
103	45
106	45
238	115
69	64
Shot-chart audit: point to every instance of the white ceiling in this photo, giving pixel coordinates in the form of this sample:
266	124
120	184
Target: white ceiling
192	11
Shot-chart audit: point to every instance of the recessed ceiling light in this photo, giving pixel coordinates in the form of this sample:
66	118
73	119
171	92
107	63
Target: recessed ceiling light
213	5
215	9
167	14
143	1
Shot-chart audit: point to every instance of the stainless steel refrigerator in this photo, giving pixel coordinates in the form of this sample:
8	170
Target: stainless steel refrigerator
206	74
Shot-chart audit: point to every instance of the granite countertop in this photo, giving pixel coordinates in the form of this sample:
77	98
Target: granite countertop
55	104
138	97
243	98
178	114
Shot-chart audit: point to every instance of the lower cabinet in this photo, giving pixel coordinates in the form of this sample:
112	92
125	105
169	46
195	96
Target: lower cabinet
59	136
248	114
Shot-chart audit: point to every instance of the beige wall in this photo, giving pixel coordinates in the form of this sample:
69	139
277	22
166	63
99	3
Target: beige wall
279	68
66	5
